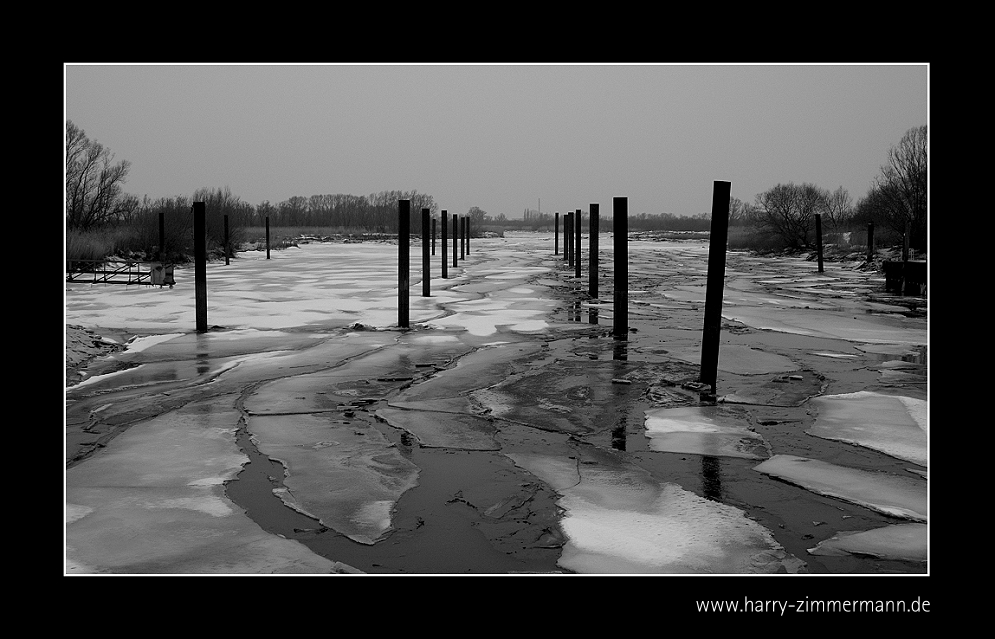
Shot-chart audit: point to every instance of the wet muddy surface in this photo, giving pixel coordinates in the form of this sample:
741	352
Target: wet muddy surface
508	421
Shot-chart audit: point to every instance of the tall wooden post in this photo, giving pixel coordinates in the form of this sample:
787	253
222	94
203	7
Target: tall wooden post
462	238
556	234
445	241
578	226
426	275
818	238
568	234
870	241
403	254
592	249
433	236
468	236
620	228
455	239
200	264
162	236
718	237
267	237
227	242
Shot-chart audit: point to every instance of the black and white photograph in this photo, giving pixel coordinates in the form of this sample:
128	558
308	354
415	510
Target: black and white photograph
529	320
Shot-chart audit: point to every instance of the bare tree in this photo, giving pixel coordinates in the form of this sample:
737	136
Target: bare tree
787	211
902	185
93	182
839	208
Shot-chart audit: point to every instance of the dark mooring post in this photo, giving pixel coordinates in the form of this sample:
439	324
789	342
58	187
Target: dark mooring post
592	249
445	242
200	264
267	237
620	228
162	236
568	233
556	233
462	238
227	242
578	226
403	254
433	236
870	241
455	238
467	236
818	238
426	276
718	237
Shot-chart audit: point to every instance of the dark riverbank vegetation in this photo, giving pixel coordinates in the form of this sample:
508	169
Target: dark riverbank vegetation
103	220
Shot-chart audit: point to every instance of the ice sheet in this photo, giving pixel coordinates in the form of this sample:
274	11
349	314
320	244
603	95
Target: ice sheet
156	500
903	542
618	520
898	496
703	431
893	424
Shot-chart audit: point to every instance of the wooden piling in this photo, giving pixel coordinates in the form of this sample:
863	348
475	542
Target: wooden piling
592	249
718	237
578	224
162	236
403	255
568	239
426	275
620	228
455	239
556	234
818	238
445	241
870	241
433	236
267	237
200	264
227	242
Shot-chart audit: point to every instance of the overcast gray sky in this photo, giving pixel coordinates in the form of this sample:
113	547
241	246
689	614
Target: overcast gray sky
501	137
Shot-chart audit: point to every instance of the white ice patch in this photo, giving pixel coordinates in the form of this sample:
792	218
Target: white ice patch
893	424
702	431
893	495
903	542
619	520
140	344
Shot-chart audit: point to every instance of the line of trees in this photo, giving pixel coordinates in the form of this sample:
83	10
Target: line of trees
786	212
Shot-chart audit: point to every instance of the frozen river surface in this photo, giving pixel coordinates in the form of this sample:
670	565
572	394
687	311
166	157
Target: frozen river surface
506	431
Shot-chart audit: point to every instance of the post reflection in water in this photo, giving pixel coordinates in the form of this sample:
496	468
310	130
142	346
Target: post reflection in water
620	350
711	478
203	357
618	433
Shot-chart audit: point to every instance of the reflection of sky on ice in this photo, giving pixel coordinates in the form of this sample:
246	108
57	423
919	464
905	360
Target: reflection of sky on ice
277	315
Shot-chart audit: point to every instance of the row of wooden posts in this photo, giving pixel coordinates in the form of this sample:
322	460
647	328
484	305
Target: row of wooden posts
572	255
461	242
